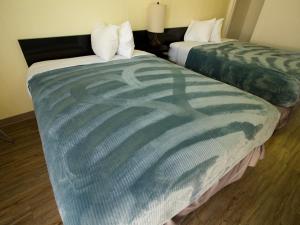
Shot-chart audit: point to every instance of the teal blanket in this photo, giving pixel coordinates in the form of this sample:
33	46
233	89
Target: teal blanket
135	141
269	73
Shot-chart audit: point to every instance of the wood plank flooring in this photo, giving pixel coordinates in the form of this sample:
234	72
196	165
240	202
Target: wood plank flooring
268	194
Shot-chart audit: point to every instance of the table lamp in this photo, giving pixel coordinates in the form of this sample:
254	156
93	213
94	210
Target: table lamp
156	22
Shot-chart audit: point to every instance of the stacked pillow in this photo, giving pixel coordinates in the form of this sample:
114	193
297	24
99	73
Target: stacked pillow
109	40
216	31
204	31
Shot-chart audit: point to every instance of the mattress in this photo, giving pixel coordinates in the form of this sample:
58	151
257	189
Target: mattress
179	51
135	141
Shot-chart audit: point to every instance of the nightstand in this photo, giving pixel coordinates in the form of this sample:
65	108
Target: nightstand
161	51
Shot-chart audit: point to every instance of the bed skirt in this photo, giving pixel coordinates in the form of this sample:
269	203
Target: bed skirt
284	116
233	175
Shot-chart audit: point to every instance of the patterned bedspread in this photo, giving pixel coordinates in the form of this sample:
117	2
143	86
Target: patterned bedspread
269	73
135	141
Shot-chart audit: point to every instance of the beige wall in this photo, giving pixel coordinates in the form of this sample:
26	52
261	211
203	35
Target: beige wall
238	18
45	18
245	18
279	24
252	16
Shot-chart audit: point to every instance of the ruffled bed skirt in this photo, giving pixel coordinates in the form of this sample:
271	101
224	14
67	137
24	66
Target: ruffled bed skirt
284	116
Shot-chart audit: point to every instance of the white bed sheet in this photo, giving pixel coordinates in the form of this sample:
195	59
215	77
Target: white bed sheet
179	51
48	65
44	66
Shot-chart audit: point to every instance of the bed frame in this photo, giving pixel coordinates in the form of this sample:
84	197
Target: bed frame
40	49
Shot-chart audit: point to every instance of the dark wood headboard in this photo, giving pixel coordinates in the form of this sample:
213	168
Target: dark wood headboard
40	49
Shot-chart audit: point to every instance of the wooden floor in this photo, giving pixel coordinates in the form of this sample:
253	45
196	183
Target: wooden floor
268	194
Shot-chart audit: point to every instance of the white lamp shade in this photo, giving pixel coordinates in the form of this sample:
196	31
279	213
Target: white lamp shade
156	18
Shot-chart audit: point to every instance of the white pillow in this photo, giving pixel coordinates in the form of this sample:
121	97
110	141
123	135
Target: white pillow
216	32
105	41
126	42
199	30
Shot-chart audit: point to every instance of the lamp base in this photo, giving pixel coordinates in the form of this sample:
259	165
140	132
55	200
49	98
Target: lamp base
154	41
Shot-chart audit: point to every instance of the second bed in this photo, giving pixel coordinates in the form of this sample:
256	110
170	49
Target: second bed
272	74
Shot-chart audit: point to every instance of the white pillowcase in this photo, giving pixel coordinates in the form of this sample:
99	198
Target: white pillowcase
216	32
105	41
126	41
199	30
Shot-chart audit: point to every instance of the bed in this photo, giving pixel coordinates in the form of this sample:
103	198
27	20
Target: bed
269	73
140	140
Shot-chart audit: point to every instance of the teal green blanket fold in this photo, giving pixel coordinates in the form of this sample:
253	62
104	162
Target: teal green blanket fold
272	74
135	141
